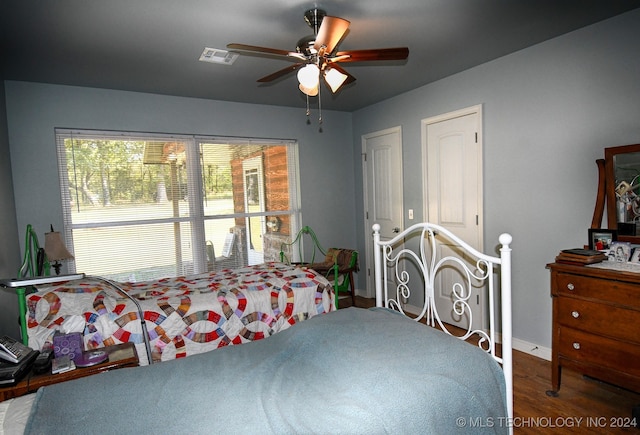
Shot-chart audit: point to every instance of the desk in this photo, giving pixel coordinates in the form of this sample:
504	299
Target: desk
120	356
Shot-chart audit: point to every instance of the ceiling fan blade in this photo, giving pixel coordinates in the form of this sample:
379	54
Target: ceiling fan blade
280	73
398	53
330	33
254	49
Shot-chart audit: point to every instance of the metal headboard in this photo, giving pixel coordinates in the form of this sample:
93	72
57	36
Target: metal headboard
393	286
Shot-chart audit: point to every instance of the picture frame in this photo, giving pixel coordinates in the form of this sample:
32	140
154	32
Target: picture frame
619	252
635	257
600	239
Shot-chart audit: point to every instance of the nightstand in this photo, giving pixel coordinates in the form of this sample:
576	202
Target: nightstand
120	356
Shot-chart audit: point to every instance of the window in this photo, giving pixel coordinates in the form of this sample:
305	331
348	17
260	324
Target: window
141	206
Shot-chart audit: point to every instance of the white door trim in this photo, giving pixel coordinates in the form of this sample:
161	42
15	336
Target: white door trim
255	168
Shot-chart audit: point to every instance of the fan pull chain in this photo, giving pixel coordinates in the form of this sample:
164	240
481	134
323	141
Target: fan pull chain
308	111
319	110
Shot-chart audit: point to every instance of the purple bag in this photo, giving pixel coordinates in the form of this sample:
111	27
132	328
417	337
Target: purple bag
68	344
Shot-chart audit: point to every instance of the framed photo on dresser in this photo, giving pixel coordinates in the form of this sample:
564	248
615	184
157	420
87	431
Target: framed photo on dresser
620	252
600	239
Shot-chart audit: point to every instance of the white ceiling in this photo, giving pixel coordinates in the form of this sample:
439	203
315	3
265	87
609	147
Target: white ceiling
154	45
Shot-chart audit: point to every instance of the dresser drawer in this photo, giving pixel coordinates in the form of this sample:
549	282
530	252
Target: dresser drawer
616	292
613	354
601	319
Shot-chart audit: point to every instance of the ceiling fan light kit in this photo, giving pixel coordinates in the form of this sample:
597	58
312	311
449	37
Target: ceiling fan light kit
309	76
334	79
310	92
317	56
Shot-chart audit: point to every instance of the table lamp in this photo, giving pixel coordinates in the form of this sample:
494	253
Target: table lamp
55	249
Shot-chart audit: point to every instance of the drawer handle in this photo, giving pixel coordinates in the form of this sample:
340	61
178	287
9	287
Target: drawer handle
575	314
576	346
570	286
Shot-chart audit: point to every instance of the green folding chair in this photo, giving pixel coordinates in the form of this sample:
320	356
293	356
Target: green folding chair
338	265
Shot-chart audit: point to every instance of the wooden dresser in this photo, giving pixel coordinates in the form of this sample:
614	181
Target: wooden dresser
596	324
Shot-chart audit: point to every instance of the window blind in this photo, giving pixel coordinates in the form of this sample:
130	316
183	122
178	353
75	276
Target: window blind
144	206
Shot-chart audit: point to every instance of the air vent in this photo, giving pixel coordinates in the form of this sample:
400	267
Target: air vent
215	55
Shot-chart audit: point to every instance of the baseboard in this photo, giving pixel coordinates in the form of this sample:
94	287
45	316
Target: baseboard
531	348
516	343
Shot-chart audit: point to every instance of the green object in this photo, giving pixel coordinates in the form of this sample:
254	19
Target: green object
35	263
22	306
344	269
339	263
298	241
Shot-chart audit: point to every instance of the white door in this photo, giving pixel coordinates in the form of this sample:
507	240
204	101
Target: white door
383	190
254	202
453	183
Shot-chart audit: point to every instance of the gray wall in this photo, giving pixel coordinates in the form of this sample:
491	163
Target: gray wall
548	113
9	250
34	110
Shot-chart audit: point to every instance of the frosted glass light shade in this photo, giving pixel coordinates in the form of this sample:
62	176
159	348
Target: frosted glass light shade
312	92
309	76
334	79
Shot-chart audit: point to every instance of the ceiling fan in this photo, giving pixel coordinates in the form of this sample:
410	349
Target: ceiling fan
316	55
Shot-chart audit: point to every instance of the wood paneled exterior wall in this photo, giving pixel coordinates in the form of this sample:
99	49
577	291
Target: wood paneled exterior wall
276	183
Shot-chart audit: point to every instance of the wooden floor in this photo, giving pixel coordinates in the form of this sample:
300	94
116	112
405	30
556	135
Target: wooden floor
583	406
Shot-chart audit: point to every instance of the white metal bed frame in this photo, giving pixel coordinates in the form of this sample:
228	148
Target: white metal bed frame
392	252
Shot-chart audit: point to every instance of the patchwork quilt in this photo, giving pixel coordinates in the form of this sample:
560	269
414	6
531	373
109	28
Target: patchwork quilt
184	315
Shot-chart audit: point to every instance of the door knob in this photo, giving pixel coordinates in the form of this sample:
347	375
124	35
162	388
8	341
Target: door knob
396	230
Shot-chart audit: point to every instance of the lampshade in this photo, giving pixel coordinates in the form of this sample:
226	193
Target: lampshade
334	78
309	76
312	92
54	247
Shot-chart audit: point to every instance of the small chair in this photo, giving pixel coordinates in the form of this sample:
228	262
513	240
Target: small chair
338	265
226	260
342	262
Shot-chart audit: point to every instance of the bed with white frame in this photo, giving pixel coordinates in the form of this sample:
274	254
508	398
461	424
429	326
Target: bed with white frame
474	269
354	370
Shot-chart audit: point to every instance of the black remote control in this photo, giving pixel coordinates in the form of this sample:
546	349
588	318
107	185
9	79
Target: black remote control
43	361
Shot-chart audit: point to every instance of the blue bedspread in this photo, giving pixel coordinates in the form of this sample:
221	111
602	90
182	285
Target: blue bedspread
351	371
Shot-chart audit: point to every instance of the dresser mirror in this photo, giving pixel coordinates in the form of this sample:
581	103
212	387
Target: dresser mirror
622	187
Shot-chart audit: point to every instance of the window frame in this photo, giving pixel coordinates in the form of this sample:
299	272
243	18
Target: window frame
195	188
